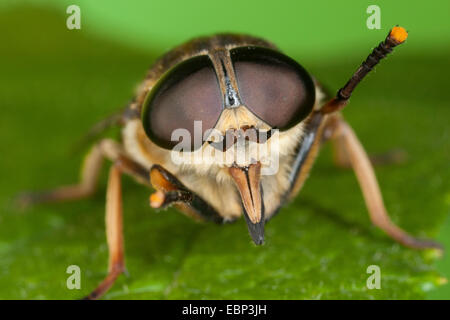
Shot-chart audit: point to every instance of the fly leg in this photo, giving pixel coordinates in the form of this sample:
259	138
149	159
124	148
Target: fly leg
350	148
342	160
105	149
90	172
114	232
169	191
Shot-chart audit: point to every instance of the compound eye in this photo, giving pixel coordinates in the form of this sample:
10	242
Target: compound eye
273	86
186	94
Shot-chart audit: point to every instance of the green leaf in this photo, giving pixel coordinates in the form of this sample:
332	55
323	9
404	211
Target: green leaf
57	83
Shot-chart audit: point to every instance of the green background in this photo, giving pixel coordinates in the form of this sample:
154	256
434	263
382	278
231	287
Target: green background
55	83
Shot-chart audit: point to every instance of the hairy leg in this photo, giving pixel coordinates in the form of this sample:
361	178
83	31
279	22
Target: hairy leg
342	160
353	151
114	232
90	172
86	187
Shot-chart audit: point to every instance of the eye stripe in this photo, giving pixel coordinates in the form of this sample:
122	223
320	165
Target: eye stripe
231	96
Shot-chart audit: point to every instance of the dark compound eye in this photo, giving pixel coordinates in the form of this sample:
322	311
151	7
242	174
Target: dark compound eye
189	92
273	86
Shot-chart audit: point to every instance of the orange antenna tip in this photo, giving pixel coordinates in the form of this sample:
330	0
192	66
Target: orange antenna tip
398	34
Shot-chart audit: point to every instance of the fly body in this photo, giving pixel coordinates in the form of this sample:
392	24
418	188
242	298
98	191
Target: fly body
228	126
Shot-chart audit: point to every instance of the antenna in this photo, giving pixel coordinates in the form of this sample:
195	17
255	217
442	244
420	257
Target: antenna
396	36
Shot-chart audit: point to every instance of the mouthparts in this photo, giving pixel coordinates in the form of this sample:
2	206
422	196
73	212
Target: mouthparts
248	183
